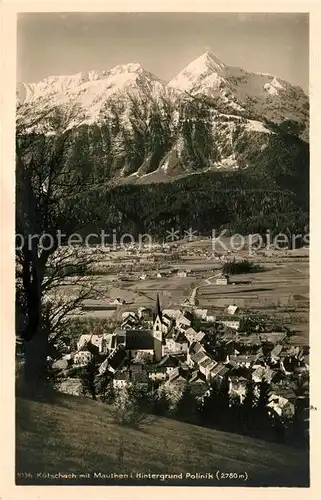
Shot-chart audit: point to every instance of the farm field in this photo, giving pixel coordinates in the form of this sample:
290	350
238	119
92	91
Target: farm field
280	289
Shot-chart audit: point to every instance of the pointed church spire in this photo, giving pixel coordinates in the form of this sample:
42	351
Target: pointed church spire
158	308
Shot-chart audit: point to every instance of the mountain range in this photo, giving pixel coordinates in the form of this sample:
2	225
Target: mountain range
127	126
222	103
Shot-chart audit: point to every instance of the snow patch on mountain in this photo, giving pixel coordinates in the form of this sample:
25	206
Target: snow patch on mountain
257	126
84	96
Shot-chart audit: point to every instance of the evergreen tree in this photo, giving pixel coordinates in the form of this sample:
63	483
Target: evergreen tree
248	410
209	408
300	419
262	415
223	402
126	409
161	403
216	409
187	405
104	388
87	376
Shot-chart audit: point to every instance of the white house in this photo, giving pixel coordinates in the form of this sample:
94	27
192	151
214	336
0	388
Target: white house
262	373
200	313
174	344
230	322
237	387
195	355
206	366
82	357
96	340
222	280
182	323
121	380
193	336
129	322
157	372
126	314
281	405
210	317
242	361
232	309
172	313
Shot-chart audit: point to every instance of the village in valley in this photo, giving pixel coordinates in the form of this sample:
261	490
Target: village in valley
237	335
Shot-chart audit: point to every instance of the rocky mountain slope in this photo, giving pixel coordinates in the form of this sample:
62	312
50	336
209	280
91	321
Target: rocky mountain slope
235	90
128	126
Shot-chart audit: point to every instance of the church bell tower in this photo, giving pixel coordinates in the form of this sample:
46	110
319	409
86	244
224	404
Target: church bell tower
157	332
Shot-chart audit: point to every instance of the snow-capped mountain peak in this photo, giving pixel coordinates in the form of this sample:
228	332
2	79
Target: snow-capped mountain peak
89	96
208	61
86	96
207	70
64	85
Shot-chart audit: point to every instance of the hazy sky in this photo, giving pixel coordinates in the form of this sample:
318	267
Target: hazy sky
163	43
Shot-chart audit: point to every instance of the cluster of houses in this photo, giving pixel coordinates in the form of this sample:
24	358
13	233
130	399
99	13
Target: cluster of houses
171	345
165	273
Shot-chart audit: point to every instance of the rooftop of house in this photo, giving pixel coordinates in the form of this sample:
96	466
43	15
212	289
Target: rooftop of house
175	372
172	313
183	320
200	311
90	337
262	370
237	378
229	333
232	309
117	357
155	368
284	392
190	331
205	362
196	347
118	339
233	318
197	357
128	314
139	340
276	351
135	367
119	331
140	377
219	370
121	376
200	336
273	337
249	339
168	361
175	335
197	377
130	320
243	358
167	320
233	364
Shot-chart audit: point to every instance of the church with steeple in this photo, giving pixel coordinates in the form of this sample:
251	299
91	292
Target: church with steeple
158	333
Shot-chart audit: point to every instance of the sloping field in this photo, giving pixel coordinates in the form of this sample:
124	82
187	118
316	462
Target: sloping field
76	435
